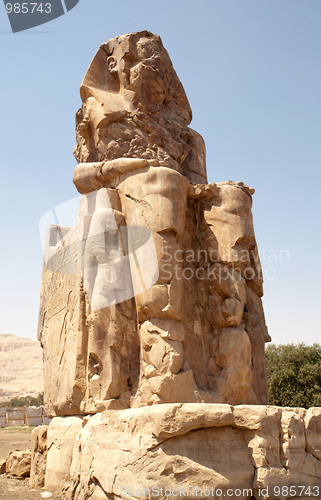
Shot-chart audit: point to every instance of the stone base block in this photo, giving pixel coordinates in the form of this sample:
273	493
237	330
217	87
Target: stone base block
38	456
18	463
2	466
186	450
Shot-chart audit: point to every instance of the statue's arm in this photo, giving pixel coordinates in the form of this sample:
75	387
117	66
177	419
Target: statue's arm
89	177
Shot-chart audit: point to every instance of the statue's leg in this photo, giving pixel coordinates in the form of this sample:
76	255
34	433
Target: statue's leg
156	199
112	360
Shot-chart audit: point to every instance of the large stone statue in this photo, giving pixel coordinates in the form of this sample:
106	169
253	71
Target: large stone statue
155	295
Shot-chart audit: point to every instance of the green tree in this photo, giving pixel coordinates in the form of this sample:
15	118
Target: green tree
23	401
294	375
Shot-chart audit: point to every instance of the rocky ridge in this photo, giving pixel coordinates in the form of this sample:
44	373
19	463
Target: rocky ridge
21	367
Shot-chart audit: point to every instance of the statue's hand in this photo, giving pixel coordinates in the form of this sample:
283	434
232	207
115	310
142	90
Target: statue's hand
114	168
89	177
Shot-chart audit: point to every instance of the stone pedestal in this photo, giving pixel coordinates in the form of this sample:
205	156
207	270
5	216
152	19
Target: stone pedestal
186	450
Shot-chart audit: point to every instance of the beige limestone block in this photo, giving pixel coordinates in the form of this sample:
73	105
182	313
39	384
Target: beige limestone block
153	302
61	436
173	446
254	324
2	466
38	456
313	431
160	353
227	282
233	355
18	463
292	439
175	388
270	480
311	466
154	446
312	485
64	305
165	328
230	220
233	311
155	198
214	312
260	426
168	255
166	356
175	420
163	421
259	377
196	460
160	301
113	355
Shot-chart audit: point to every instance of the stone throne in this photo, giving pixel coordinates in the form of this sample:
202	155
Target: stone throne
197	333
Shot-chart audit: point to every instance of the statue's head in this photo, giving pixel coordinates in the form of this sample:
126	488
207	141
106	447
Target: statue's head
135	106
136	68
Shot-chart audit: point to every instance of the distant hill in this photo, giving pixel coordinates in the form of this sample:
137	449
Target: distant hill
21	367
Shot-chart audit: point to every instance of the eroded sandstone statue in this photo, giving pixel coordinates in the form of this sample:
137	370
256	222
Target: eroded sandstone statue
155	295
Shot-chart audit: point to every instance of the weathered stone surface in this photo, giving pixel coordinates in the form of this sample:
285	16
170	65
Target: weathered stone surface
284	484
313	431
135	106
311	466
38	456
2	466
18	463
155	447
293	440
62	314
154	296
245	451
61	436
261	433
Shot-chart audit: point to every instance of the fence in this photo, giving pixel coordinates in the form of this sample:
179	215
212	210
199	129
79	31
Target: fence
18	417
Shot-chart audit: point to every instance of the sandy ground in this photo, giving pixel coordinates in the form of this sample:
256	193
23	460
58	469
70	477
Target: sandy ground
14	439
12	488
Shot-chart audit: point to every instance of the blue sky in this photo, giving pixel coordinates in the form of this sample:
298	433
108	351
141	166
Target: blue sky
251	70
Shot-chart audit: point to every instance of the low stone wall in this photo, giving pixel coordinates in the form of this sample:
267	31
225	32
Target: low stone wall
192	450
31	416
